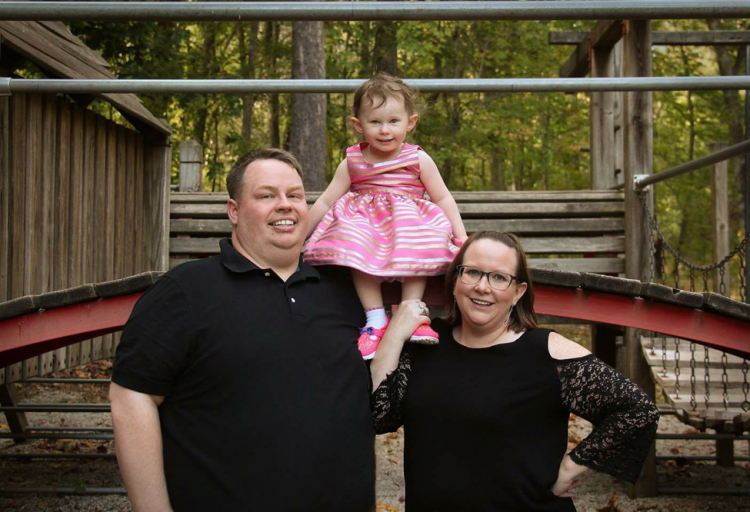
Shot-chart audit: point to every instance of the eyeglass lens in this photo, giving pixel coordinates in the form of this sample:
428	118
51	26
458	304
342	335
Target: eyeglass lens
497	280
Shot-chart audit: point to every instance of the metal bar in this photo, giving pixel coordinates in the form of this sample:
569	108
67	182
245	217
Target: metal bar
699	163
364	11
61	406
489	85
99	437
83	491
55	409
55	456
702	437
697	458
747	177
42	380
737	491
106	430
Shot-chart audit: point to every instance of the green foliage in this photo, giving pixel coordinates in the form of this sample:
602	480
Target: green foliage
479	141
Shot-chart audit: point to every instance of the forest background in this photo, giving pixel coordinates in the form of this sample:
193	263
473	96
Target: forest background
479	141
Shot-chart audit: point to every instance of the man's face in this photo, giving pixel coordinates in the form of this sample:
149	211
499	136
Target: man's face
270	219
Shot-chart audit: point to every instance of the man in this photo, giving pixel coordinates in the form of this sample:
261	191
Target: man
238	384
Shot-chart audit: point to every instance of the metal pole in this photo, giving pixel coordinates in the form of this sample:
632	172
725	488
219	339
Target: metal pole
362	11
719	156
491	85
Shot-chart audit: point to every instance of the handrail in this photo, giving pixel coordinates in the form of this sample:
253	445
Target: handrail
642	181
364	11
496	85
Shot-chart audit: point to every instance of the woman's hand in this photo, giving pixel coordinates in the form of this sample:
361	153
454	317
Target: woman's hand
566	478
410	315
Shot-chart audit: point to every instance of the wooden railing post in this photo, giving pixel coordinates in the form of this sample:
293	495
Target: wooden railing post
191	166
638	159
720	219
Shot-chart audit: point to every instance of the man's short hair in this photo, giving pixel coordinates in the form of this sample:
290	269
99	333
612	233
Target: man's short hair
237	172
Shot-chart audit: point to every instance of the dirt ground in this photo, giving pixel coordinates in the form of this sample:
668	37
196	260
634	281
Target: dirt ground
598	493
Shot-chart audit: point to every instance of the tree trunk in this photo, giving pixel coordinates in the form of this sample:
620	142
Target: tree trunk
498	172
209	66
307	137
247	66
271	41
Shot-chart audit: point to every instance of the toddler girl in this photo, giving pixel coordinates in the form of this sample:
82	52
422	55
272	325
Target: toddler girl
375	219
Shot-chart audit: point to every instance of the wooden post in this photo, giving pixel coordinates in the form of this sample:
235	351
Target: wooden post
638	159
720	218
16	420
602	136
191	166
157	156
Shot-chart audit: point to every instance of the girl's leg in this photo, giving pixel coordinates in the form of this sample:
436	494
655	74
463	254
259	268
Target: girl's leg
413	288
368	290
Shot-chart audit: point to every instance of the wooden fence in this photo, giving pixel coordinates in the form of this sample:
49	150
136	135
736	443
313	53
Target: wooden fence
82	200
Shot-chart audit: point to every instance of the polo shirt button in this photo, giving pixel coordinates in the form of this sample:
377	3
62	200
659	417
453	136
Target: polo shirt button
268	274
293	300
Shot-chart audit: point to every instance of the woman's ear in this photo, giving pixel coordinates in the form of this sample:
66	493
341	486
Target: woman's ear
520	290
357	125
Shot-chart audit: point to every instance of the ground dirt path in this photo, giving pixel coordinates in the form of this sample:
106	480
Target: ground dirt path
598	493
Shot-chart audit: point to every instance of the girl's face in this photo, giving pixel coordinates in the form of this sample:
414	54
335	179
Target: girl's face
482	306
386	126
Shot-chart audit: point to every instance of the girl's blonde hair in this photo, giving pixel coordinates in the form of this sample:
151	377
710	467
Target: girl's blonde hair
379	89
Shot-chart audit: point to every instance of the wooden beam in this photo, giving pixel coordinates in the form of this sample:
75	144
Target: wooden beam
720	220
605	34
682	38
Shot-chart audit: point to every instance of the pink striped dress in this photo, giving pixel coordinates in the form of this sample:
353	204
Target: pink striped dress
383	226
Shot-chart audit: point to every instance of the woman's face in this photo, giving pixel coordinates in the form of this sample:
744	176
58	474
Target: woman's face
481	305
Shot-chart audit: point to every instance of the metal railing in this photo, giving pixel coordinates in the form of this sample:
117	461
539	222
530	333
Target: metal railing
369	11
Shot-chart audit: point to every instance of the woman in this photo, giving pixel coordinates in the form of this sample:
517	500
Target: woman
486	412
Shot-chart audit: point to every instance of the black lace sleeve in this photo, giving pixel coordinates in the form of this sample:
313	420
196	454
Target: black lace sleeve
624	417
385	401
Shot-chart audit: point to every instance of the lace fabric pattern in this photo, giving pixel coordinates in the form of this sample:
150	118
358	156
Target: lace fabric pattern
386	400
625	418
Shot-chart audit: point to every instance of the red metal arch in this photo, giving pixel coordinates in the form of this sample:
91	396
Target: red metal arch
40	332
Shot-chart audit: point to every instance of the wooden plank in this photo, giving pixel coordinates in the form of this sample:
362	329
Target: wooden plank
129	247
720	220
468	211
602	121
35	273
594	265
100	213
521	196
157	161
77	223
5	209
110	128
550	226
121	222
90	268
138	258
578	63
49	157
63	135
604	34
662	38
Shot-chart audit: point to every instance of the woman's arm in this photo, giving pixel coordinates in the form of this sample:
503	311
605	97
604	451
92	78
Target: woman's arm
391	368
440	195
625	418
339	186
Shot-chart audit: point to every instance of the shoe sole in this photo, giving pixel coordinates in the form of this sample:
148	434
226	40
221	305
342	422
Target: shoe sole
424	340
368	357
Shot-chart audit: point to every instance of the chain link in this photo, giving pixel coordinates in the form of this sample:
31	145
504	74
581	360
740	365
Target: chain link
677	368
693	404
654	226
743	284
664	357
706	376
745	387
724	380
705	281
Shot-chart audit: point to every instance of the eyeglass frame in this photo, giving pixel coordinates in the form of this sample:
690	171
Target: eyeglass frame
461	269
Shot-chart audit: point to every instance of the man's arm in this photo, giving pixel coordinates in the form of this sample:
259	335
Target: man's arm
139	450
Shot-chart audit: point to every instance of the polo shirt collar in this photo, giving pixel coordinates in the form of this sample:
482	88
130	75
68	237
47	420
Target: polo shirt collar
236	262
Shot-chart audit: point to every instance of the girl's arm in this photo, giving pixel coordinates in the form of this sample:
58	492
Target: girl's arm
440	195
338	187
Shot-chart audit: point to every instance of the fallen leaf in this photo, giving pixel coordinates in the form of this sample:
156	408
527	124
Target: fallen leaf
610	506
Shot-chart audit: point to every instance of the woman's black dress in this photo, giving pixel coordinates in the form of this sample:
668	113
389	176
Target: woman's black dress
486	429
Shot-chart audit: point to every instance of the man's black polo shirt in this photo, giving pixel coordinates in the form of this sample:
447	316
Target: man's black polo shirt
266	393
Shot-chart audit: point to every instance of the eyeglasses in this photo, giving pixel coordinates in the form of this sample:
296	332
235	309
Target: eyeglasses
497	280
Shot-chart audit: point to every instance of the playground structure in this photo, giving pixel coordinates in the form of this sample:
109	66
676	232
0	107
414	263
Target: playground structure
46	303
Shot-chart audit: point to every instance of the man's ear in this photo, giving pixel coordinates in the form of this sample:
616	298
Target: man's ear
412	122
357	125
232	211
